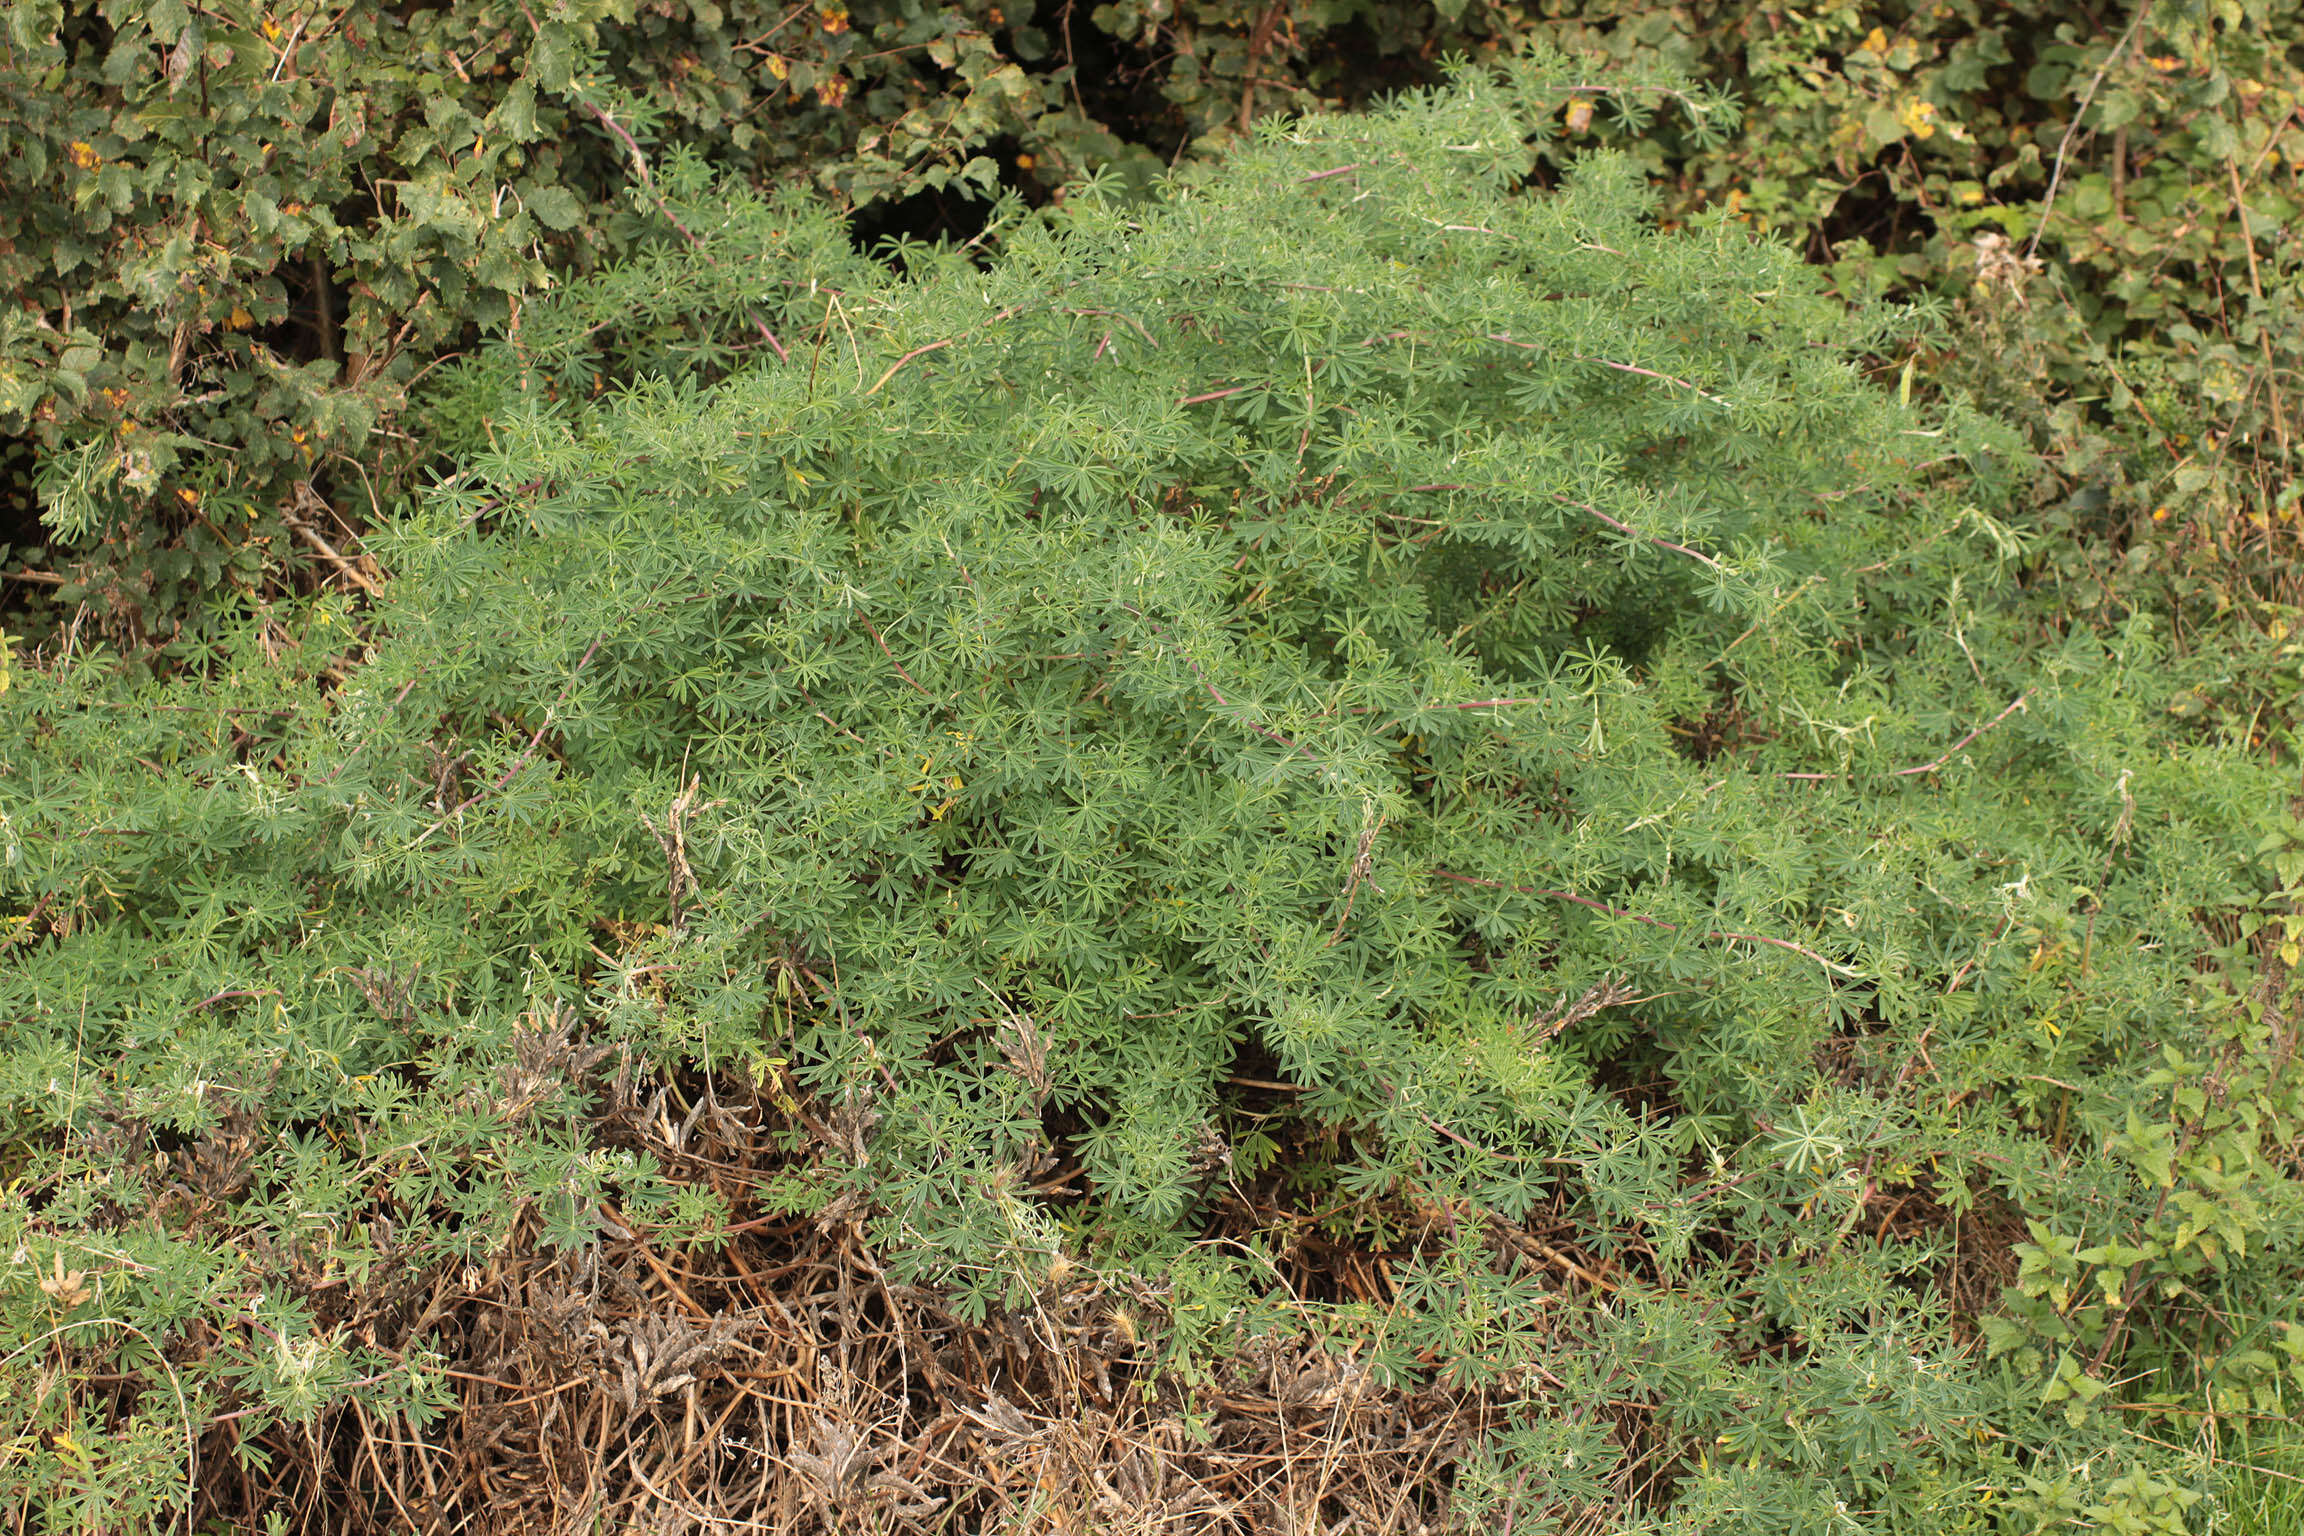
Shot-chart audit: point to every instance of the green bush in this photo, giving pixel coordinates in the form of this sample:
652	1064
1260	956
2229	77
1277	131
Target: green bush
1485	661
237	234
2105	195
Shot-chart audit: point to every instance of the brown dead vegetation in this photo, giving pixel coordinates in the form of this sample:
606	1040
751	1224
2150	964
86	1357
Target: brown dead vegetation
780	1382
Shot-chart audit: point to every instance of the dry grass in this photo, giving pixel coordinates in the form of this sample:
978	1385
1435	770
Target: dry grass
781	1383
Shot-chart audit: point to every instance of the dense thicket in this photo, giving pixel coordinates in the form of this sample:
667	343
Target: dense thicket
239	235
2100	192
1466	712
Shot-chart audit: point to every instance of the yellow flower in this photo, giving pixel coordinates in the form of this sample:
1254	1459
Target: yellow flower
83	154
1875	41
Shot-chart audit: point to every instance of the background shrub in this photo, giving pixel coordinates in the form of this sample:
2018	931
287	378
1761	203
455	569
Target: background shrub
239	235
2105	199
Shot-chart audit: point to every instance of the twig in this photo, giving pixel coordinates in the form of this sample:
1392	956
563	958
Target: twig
236	992
891	655
1362	859
1650	373
1969	964
640	1246
1259	39
241	1413
526	752
1465	1141
1603	994
1585	357
1724	935
1217	694
1660	543
673	839
2014	705
1581	506
1551	1255
497	503
328	552
640	166
934	346
2087	99
529	750
1941	760
2256	287
1009	313
1129	320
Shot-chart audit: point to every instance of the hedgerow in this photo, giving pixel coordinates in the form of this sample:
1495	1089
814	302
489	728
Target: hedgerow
242	238
1453	707
239	233
2102	194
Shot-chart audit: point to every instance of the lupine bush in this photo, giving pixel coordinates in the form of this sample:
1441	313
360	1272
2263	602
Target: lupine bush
2105	195
242	234
1498	669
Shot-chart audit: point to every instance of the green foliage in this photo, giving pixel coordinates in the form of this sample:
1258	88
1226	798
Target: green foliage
238	234
1486	661
243	238
2103	194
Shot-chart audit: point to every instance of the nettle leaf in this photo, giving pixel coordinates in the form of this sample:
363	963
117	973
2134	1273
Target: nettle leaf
555	207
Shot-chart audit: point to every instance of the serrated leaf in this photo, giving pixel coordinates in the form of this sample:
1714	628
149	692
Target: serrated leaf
555	207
